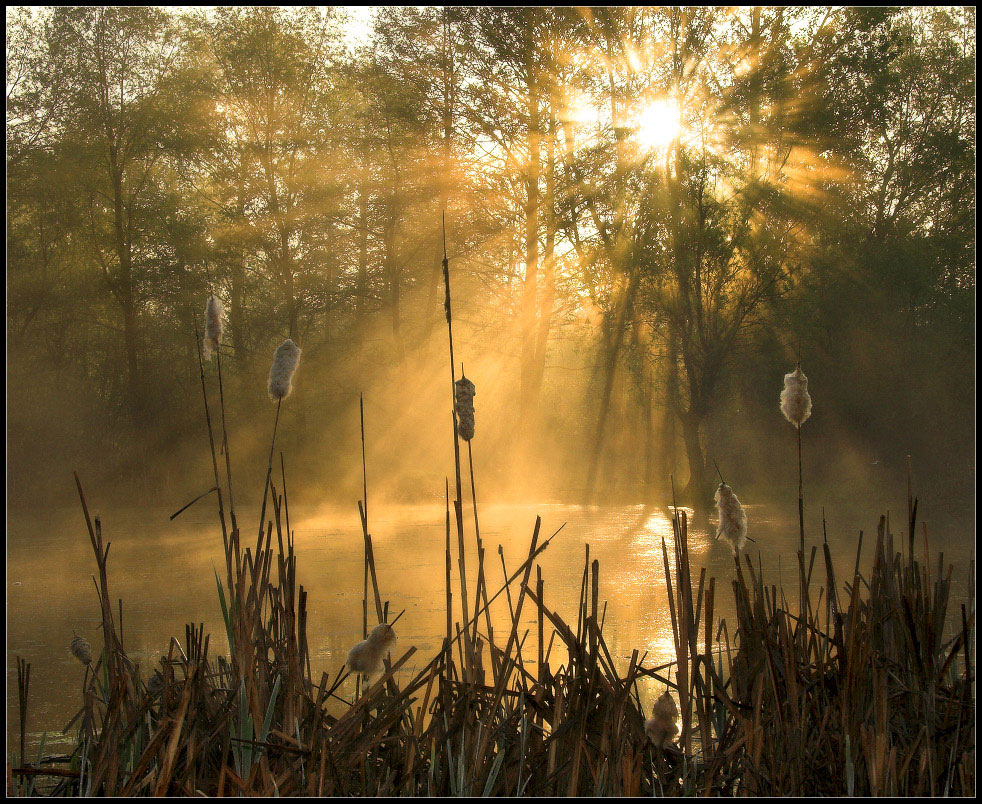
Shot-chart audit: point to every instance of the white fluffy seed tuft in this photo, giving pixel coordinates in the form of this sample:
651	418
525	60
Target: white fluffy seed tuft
213	325
463	397
732	518
662	727
285	362
796	403
366	657
80	649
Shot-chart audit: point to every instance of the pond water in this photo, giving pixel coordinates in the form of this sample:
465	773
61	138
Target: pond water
163	572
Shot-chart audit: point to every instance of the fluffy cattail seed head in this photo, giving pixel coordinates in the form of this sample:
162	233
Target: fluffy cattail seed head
796	403
366	657
80	649
213	325
463	396
732	518
285	362
661	727
155	684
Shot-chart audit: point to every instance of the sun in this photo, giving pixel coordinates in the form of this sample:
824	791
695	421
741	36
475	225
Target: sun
657	124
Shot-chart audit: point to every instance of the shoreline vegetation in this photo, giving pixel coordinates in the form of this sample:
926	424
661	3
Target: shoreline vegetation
858	692
864	687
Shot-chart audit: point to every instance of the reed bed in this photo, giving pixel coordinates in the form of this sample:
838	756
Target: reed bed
865	696
861	692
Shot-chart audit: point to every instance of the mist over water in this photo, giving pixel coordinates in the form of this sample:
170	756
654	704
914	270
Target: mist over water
162	571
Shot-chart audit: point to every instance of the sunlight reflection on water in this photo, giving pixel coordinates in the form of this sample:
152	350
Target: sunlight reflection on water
163	573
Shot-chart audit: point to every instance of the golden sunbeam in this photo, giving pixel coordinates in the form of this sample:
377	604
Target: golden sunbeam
657	124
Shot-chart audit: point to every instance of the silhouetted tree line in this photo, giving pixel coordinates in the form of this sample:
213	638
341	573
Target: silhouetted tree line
694	196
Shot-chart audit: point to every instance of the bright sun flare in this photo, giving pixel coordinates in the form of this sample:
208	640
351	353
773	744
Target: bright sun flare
658	124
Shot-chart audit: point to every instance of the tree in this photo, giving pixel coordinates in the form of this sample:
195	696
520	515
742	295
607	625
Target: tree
117	120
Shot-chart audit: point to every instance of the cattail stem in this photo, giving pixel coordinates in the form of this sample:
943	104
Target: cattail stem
449	590
269	474
456	441
801	504
228	459
214	459
477	525
364	481
803	594
185	507
23	686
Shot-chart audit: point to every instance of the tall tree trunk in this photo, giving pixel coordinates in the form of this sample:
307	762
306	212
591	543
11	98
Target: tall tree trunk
755	34
392	276
125	291
697	489
529	309
621	311
289	286
433	313
237	289
547	298
645	412
610	354
669	457
362	288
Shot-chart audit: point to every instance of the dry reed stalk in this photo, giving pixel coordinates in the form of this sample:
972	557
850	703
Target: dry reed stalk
582	727
225	449
214	459
458	508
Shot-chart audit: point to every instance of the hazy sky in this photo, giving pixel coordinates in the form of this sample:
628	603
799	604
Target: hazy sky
358	27
359	24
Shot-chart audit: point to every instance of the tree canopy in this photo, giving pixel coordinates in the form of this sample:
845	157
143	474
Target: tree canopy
651	215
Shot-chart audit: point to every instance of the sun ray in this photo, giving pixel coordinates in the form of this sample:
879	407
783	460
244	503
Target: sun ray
658	124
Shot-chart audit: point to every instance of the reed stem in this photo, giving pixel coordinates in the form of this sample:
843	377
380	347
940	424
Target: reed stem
228	459
269	475
214	459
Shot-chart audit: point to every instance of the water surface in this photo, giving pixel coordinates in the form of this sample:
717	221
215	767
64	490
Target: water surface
163	572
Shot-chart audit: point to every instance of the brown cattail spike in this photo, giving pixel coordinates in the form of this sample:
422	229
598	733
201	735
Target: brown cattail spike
464	392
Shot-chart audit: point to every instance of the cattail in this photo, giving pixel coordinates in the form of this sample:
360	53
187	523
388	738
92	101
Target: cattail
796	403
661	727
80	649
366	657
732	518
285	362
213	325
463	396
155	685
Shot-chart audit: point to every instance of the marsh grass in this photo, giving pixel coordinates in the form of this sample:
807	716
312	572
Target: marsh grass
860	693
865	695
